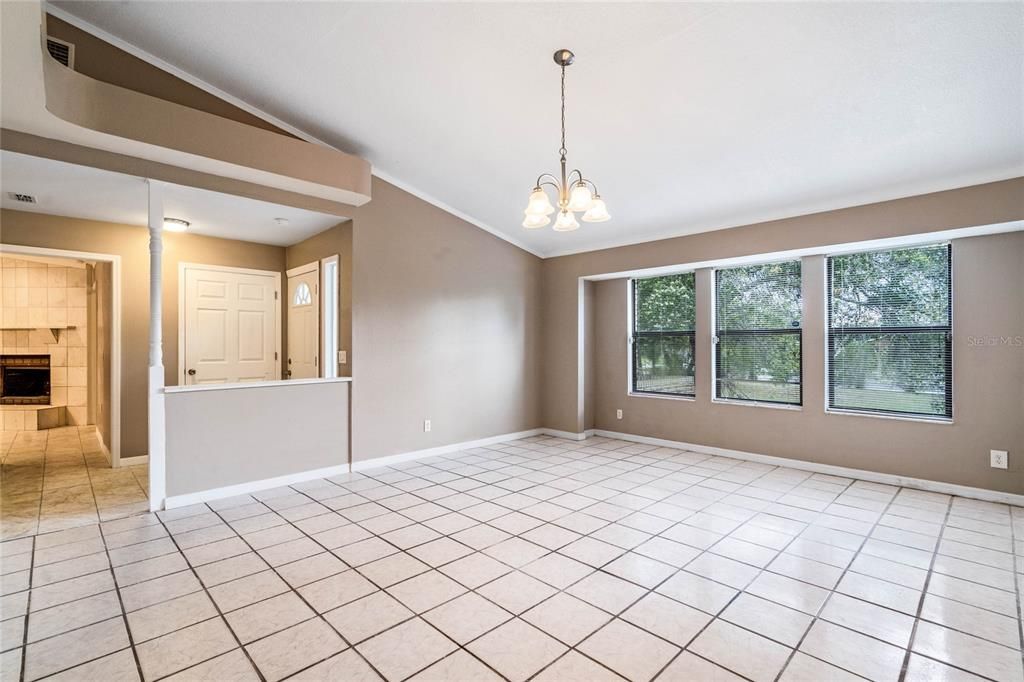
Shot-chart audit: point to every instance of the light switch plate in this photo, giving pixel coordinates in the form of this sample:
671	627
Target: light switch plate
342	357
426	426
999	459
618	414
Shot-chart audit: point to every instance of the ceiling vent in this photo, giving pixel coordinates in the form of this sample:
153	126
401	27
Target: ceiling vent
23	198
61	50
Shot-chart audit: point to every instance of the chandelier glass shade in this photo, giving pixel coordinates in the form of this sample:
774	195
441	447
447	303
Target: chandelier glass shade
575	193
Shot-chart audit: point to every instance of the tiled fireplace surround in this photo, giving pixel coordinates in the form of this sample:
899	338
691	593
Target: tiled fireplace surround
35	297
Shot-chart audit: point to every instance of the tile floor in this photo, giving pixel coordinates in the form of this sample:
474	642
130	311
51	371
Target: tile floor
538	559
60	478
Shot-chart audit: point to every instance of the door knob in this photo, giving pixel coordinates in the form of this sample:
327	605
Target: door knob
191	372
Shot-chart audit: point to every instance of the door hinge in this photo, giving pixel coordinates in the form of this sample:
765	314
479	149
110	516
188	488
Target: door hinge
275	295
315	361
275	355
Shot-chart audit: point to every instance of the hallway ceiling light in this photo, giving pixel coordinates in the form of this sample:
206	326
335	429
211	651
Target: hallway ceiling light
175	224
576	194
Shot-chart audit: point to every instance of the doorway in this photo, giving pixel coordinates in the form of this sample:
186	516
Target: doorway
304	322
229	326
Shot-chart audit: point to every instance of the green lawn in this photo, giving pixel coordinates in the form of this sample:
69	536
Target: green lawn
846	398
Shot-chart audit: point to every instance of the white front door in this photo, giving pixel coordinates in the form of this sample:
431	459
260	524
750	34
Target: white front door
304	322
230	330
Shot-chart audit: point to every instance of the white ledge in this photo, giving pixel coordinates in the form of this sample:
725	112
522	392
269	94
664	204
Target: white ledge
254	384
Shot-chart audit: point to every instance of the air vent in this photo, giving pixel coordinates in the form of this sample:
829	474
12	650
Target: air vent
61	50
23	198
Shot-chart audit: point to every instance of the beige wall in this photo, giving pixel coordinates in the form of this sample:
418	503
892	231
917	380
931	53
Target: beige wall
445	325
989	400
988	383
333	241
101	311
132	244
290	428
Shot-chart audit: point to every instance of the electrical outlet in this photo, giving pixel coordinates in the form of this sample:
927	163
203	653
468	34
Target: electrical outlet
426	426
618	414
999	459
342	357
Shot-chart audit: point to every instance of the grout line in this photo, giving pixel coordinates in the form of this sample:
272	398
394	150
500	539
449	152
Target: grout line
924	595
828	597
216	606
502	455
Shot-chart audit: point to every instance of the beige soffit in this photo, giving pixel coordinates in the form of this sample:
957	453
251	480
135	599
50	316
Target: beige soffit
59	103
377	171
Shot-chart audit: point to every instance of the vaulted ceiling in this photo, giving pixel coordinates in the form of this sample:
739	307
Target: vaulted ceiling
690	117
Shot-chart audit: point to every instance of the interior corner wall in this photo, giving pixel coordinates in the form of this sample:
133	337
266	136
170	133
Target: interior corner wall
445	326
335	240
988	380
131	243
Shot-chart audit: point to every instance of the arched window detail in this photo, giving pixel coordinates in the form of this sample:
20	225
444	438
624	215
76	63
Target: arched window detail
303	296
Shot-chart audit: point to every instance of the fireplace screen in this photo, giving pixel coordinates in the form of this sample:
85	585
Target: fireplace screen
24	379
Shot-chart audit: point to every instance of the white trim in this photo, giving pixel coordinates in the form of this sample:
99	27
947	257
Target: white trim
886	415
390	460
757	403
182	267
252	486
830	469
662	396
115	328
198	388
329	349
132	461
313	266
581	353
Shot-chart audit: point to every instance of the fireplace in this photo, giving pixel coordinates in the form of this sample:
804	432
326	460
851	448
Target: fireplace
24	379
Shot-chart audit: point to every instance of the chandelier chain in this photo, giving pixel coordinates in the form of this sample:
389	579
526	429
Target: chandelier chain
563	150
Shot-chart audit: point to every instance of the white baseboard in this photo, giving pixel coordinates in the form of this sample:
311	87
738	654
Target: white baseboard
390	460
174	501
863	474
132	461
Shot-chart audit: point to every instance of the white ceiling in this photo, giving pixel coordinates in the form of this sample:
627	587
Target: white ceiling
65	189
689	116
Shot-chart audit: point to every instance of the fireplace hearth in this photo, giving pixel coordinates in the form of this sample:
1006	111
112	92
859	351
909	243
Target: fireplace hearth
24	379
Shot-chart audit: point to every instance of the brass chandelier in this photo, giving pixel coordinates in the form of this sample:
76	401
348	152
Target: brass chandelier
576	194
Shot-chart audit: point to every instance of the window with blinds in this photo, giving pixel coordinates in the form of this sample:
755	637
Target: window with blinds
889	332
663	326
758	333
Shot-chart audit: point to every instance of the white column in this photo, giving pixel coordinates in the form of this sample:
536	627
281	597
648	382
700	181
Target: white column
157	422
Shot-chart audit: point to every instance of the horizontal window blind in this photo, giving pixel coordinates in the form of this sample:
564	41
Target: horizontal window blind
758	333
890	332
662	339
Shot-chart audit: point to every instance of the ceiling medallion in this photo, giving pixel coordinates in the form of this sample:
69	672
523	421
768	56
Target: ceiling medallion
576	194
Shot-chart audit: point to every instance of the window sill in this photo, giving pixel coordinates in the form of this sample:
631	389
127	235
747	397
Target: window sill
920	420
754	403
657	396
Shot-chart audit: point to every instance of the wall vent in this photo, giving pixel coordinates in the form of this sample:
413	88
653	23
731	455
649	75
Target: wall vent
23	198
61	50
